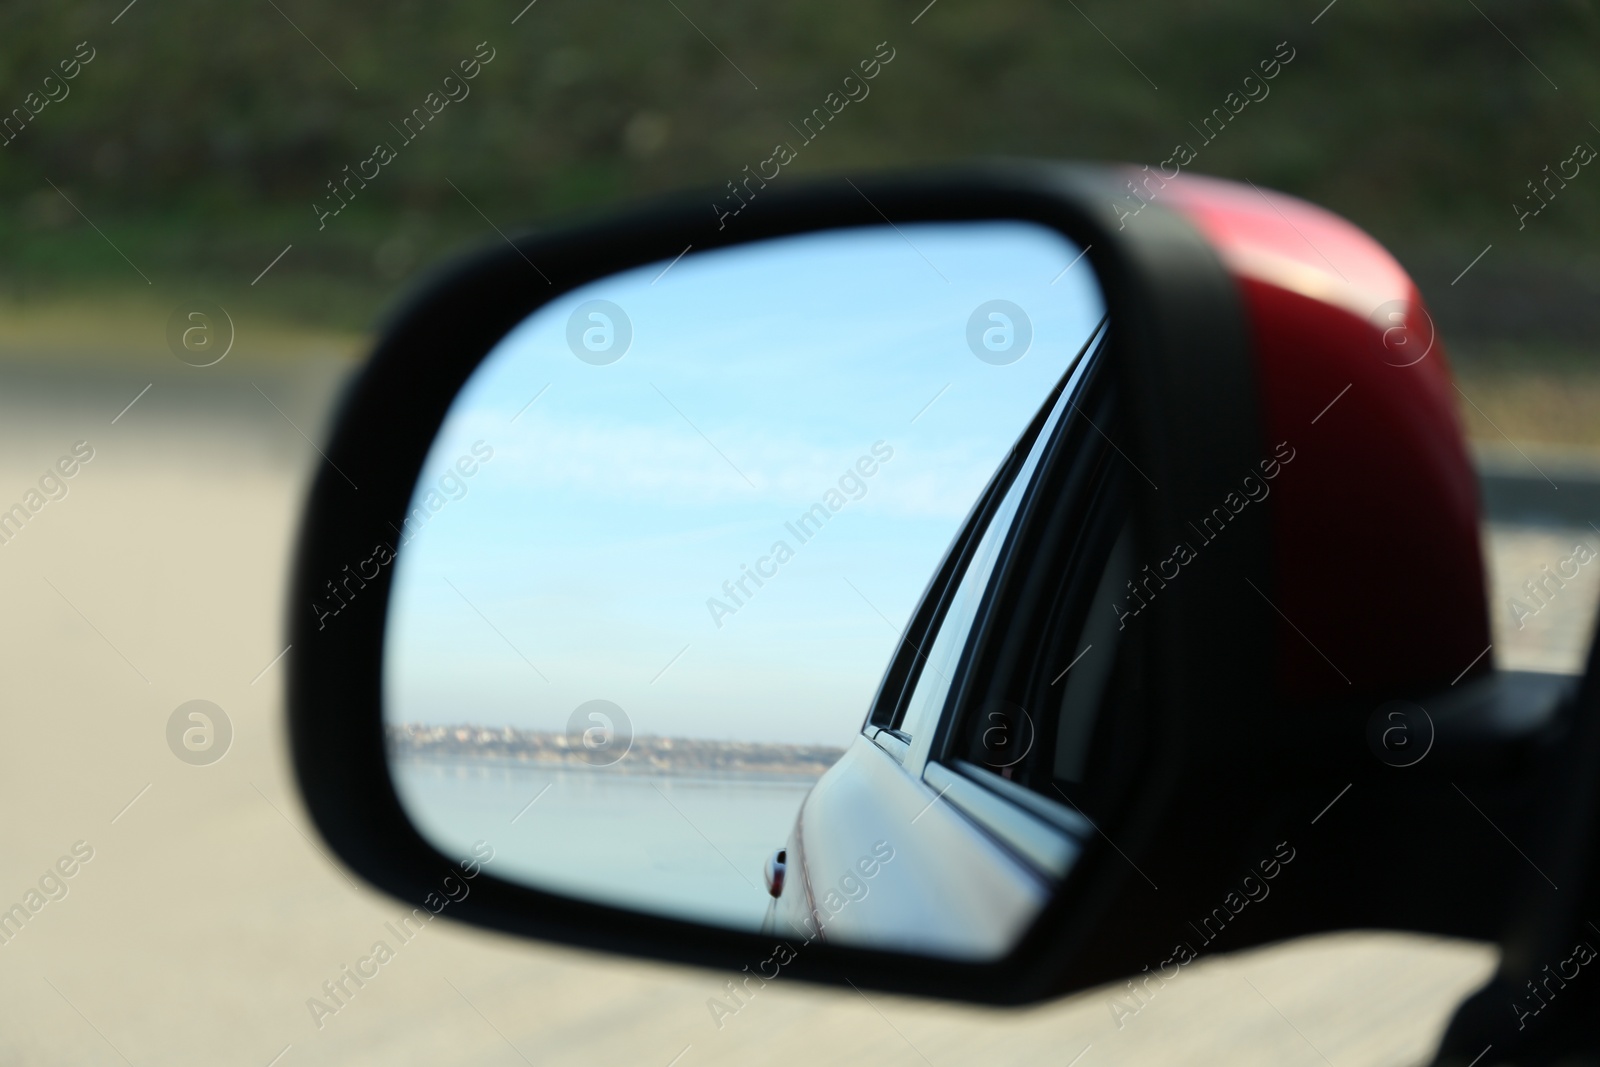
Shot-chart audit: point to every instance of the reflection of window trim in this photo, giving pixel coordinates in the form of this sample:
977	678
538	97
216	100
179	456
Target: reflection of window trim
890	741
1022	482
1070	473
900	681
1069	819
954	570
1044	846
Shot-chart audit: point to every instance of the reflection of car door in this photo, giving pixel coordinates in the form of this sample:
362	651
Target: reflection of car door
909	841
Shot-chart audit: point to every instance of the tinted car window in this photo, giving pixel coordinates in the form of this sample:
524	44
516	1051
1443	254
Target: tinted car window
938	663
941	659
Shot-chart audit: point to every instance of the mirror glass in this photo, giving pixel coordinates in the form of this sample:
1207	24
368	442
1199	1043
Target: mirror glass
667	542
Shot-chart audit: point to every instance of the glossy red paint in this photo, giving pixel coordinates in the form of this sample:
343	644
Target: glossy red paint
1378	569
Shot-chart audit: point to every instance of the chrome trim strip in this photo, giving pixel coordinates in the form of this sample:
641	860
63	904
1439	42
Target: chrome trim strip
891	744
1043	845
1066	818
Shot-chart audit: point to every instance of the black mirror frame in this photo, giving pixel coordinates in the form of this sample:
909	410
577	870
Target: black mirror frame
1179	344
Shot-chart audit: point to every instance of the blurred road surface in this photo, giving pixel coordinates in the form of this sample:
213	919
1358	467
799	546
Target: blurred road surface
208	915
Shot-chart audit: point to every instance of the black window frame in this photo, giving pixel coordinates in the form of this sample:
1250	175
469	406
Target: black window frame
887	712
1040	594
1052	558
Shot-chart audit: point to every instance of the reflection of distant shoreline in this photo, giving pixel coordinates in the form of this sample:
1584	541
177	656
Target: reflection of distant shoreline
506	745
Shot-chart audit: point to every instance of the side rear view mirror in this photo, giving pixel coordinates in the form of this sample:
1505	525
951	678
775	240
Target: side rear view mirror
984	583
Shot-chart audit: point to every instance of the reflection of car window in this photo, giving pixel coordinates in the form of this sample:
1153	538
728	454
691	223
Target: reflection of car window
1040	727
1086	683
939	664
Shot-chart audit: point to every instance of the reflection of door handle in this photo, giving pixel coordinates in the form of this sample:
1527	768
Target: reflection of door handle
777	863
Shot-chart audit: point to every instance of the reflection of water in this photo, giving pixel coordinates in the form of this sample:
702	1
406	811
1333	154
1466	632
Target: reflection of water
685	846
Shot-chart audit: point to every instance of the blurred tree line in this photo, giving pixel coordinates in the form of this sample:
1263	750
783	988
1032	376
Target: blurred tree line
201	133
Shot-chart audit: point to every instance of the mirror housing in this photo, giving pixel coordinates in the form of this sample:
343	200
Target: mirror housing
1235	343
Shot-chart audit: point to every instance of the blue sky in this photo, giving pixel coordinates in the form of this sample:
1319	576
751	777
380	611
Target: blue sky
622	499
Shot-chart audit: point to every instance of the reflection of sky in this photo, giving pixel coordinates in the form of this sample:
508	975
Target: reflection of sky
621	500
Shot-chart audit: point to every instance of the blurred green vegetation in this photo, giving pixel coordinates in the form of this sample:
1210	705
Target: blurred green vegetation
1529	392
201	133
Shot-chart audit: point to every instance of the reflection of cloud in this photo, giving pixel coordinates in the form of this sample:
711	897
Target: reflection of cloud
627	461
643	463
944	485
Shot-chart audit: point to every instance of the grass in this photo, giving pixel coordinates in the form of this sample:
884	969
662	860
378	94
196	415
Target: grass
118	326
1532	394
